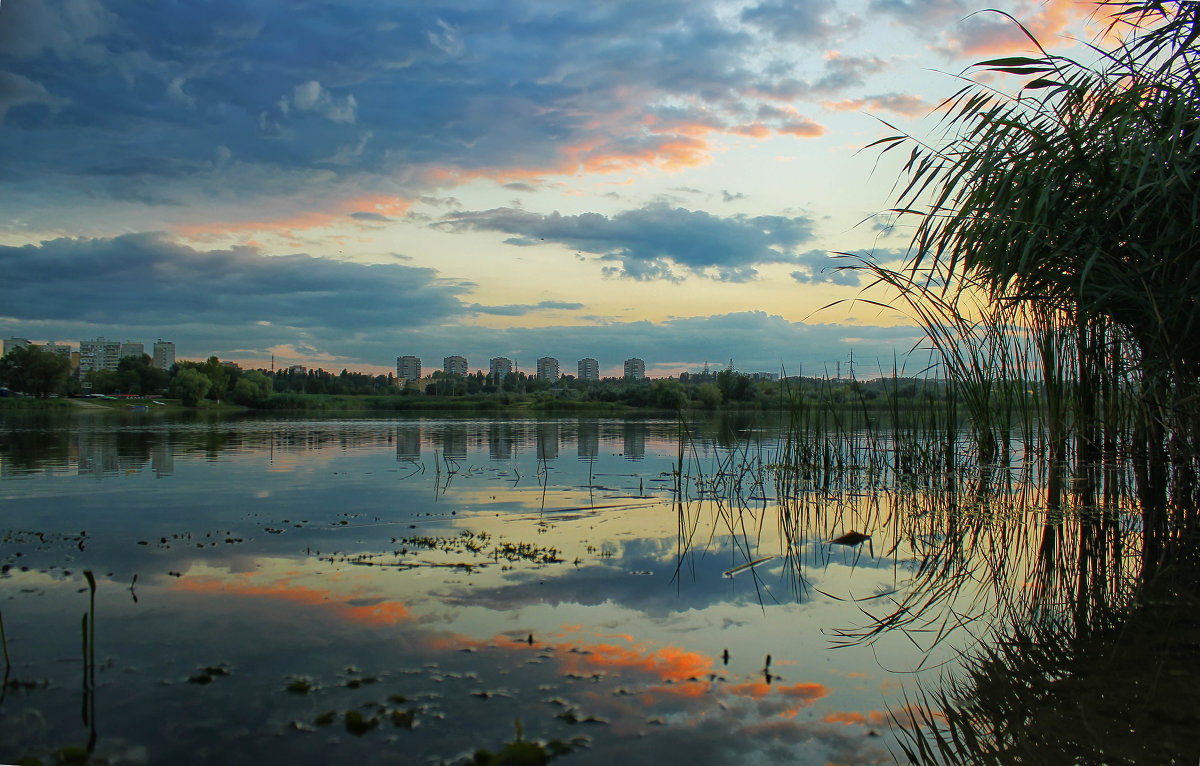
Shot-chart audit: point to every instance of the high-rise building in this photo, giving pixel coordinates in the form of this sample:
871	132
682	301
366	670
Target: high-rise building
164	354
501	367
54	348
132	348
98	354
12	344
455	365
547	368
635	368
589	369
408	368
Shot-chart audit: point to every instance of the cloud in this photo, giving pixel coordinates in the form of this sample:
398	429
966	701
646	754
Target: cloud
374	96
906	104
821	266
656	241
16	90
310	96
240	303
798	20
521	309
956	30
364	215
842	71
148	280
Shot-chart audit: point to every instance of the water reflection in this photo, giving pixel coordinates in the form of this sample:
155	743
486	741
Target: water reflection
587	445
422	583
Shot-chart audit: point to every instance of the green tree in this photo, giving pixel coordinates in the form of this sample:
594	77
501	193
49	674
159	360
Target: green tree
668	394
33	371
190	386
218	375
104	381
253	387
709	395
138	375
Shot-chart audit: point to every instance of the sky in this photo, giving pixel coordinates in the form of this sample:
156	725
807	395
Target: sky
336	184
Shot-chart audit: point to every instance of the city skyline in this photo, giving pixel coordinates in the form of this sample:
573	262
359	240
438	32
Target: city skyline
510	179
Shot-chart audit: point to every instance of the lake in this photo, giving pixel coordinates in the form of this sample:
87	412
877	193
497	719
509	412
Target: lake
286	590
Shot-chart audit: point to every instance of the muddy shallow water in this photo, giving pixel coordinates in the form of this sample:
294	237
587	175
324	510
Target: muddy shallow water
272	590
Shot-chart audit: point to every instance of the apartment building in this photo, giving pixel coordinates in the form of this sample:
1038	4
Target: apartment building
12	344
455	365
164	355
635	368
98	354
132	348
500	367
54	348
589	369
408	368
547	368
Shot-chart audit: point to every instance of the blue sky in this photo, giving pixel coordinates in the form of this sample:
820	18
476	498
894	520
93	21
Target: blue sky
340	183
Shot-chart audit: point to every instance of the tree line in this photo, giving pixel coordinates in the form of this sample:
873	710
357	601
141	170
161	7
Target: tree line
39	373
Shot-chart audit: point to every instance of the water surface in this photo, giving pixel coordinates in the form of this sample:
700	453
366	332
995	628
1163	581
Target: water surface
273	590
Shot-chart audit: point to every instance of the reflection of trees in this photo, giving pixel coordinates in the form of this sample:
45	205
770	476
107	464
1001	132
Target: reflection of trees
35	443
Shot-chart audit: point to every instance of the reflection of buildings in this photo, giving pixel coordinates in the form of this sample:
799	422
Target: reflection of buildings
454	441
547	440
408	368
547	368
589	369
98	454
635	440
635	368
588	445
162	458
408	442
455	365
501	441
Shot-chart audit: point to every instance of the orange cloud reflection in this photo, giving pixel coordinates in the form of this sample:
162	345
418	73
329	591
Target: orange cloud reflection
378	612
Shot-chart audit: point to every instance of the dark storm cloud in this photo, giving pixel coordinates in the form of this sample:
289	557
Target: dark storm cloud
227	98
148	280
656	241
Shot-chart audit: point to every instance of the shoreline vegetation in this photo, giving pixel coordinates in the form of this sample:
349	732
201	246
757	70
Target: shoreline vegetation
33	381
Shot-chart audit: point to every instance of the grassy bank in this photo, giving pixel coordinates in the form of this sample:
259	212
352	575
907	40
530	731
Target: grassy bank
21	403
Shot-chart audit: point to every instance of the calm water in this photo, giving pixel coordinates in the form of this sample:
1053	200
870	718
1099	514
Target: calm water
264	584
